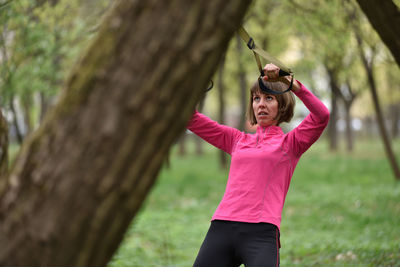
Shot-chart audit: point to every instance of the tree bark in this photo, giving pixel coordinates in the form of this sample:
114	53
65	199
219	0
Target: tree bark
83	175
384	17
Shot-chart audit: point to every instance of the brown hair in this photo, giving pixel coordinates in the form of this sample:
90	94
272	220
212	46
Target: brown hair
286	102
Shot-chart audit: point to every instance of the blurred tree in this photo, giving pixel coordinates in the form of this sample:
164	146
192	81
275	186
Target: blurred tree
242	84
348	98
368	59
182	145
221	108
3	146
198	140
384	16
393	94
41	38
332	126
322	45
82	176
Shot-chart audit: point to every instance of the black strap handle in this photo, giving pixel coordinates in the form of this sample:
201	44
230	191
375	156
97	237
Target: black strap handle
268	90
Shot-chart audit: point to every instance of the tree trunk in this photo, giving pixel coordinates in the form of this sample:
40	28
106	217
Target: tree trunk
242	85
3	147
182	145
384	16
332	129
221	108
199	142
378	111
44	106
18	133
25	101
83	175
381	123
348	100
349	131
395	112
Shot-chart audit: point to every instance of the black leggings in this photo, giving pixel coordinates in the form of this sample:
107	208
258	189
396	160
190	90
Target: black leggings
229	244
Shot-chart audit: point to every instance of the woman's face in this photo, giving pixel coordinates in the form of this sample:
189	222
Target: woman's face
265	109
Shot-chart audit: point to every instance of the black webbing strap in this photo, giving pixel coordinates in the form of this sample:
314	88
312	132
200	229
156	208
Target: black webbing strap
284	71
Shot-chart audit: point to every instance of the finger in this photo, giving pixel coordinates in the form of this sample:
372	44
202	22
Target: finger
273	74
271	66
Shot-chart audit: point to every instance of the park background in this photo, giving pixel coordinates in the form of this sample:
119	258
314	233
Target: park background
343	207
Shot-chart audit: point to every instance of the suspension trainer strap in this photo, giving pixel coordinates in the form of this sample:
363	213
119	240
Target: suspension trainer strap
284	71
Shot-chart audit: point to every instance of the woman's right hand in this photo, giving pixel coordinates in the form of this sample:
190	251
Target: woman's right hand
271	72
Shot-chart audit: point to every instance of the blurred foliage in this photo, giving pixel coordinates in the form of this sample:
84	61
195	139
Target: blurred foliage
40	41
310	37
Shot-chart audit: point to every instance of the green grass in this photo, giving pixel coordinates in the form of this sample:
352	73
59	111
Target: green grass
341	210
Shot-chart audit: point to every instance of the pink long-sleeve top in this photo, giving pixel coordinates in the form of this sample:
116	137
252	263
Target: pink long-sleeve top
262	164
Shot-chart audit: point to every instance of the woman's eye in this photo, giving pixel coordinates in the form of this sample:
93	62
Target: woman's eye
256	98
270	97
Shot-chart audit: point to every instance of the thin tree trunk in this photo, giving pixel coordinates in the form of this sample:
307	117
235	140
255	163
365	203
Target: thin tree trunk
395	112
18	133
349	131
3	147
221	108
242	85
348	101
198	141
83	175
44	106
182	145
26	110
332	129
381	123
368	67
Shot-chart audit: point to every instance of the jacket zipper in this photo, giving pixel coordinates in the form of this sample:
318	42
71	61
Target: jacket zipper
258	136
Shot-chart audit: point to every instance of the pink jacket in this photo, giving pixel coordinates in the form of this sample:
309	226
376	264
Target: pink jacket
263	163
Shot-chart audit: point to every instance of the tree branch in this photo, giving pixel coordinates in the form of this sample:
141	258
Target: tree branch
3	5
384	17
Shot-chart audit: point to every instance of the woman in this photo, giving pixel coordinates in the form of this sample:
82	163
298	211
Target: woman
245	226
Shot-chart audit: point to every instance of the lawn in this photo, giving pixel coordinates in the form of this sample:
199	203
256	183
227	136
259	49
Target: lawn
341	210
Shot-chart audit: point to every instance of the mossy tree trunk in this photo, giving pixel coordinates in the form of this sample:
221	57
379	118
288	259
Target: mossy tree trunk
83	175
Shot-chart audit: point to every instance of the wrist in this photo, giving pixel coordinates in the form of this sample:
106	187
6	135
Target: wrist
296	86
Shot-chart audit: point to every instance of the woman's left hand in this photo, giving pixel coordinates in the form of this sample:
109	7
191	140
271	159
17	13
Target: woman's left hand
271	73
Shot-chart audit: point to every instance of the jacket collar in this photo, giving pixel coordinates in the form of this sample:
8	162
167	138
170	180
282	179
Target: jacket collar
269	130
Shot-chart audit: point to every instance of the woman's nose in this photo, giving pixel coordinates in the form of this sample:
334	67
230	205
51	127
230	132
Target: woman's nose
262	102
